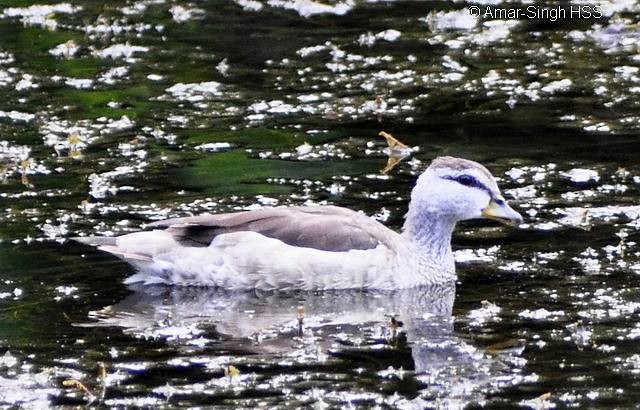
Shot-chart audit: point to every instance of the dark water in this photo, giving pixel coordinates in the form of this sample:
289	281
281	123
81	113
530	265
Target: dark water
117	113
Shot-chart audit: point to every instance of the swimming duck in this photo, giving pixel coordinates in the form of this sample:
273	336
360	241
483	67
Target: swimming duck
318	247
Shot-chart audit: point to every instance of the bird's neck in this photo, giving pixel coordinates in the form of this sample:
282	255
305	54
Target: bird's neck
430	235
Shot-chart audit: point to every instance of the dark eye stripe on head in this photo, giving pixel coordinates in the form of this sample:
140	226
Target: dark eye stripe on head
470	181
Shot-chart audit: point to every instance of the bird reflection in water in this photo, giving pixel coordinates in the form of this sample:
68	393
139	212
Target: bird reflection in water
396	334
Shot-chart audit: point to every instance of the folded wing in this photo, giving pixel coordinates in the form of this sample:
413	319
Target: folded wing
328	228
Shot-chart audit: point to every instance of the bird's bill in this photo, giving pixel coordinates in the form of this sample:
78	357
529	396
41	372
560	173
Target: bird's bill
502	213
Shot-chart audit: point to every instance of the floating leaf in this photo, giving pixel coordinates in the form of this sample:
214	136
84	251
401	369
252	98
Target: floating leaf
231	371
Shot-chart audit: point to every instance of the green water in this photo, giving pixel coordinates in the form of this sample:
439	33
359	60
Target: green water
115	114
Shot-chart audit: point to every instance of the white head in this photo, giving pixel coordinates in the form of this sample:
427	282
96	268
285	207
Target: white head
456	189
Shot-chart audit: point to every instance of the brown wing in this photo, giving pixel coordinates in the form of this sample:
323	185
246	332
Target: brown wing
328	228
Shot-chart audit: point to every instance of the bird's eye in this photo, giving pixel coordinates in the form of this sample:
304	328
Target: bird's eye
466	180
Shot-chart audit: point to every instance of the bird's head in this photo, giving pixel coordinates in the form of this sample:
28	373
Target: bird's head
459	189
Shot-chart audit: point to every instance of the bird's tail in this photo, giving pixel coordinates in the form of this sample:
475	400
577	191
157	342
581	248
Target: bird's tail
138	250
96	240
109	244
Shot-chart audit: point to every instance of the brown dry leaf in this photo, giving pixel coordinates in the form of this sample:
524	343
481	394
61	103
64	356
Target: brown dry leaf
25	181
395	155
73	140
391	140
75	154
76	384
231	371
391	163
103	371
496	348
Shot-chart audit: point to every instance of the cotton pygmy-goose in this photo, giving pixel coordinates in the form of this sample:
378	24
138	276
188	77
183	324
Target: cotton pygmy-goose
318	247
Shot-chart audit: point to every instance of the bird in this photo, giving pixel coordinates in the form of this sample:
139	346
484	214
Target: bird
317	247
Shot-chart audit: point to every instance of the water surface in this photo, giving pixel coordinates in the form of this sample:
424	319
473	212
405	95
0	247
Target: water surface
113	115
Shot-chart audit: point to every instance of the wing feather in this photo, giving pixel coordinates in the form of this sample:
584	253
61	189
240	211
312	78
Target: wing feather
328	228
